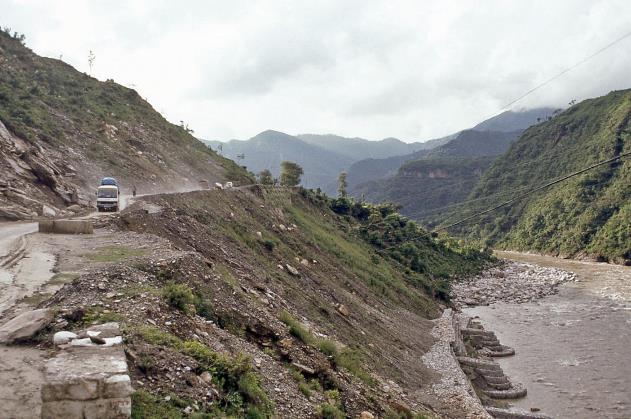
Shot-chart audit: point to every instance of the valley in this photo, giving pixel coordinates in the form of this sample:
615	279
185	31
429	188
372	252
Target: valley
480	274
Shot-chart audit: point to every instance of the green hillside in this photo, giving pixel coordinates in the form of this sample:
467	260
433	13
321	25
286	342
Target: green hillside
422	186
587	215
65	129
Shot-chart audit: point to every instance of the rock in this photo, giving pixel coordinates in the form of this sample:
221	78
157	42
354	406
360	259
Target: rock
74	208
48	211
206	378
292	270
304	368
343	310
366	415
101	286
534	409
97	339
304	262
259	234
63	337
25	325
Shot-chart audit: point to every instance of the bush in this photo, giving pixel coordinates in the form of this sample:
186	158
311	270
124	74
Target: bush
179	296
297	329
329	411
328	347
269	244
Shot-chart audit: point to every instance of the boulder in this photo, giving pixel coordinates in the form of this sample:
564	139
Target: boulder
292	270
63	337
25	325
48	211
366	415
343	310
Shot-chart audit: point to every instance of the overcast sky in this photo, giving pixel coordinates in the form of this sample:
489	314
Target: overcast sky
414	69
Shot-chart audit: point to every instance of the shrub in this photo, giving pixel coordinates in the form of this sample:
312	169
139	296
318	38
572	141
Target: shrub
297	329
269	244
179	296
328	347
329	411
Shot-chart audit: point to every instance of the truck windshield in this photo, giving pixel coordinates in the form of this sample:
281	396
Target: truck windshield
107	193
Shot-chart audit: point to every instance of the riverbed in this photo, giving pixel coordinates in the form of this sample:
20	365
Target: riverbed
573	348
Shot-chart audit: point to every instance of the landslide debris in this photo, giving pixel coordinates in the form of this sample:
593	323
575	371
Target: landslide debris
216	323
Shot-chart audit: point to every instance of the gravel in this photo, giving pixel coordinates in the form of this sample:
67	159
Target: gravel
514	282
454	388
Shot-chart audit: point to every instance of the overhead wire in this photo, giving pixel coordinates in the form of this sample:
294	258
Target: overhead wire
547	185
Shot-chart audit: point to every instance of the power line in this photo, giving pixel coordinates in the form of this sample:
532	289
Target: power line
510	201
556	76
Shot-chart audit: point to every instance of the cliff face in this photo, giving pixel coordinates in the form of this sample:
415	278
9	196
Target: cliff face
61	130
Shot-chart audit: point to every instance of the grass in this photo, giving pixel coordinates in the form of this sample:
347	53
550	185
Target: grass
242	392
297	329
63	278
114	254
96	315
349	359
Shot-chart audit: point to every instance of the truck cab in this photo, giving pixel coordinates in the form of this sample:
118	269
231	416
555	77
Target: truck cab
107	198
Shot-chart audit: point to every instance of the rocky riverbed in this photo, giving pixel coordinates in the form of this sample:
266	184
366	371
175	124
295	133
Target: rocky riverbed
512	282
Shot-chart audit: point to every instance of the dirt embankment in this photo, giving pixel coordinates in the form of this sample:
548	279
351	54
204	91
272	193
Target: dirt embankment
238	301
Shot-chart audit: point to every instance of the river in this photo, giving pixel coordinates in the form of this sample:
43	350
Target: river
573	348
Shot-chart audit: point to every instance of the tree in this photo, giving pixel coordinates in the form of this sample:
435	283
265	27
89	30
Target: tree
342	185
290	173
266	178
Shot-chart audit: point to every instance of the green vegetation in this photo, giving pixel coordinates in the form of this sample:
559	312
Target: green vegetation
179	296
423	186
239	384
114	254
428	262
49	103
266	178
349	359
96	315
290	173
587	214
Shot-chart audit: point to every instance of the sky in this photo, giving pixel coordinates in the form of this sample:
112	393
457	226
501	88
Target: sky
414	70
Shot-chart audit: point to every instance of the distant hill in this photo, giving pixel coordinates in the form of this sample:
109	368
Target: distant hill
586	215
269	148
506	122
423	185
359	148
61	130
515	120
438	177
471	143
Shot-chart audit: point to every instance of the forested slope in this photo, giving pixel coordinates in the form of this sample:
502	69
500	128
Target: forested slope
589	214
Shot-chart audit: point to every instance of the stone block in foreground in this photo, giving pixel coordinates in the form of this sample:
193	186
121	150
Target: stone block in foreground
87	382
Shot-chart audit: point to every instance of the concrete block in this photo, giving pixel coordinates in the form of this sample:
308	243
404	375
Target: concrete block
46	226
91	409
108	408
66	409
66	226
117	386
77	389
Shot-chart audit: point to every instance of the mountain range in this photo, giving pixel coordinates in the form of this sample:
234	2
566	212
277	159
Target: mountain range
323	157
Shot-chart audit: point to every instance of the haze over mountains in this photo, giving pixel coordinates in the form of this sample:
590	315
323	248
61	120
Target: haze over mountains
323	157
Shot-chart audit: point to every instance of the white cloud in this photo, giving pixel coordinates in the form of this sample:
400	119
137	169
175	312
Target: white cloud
410	69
